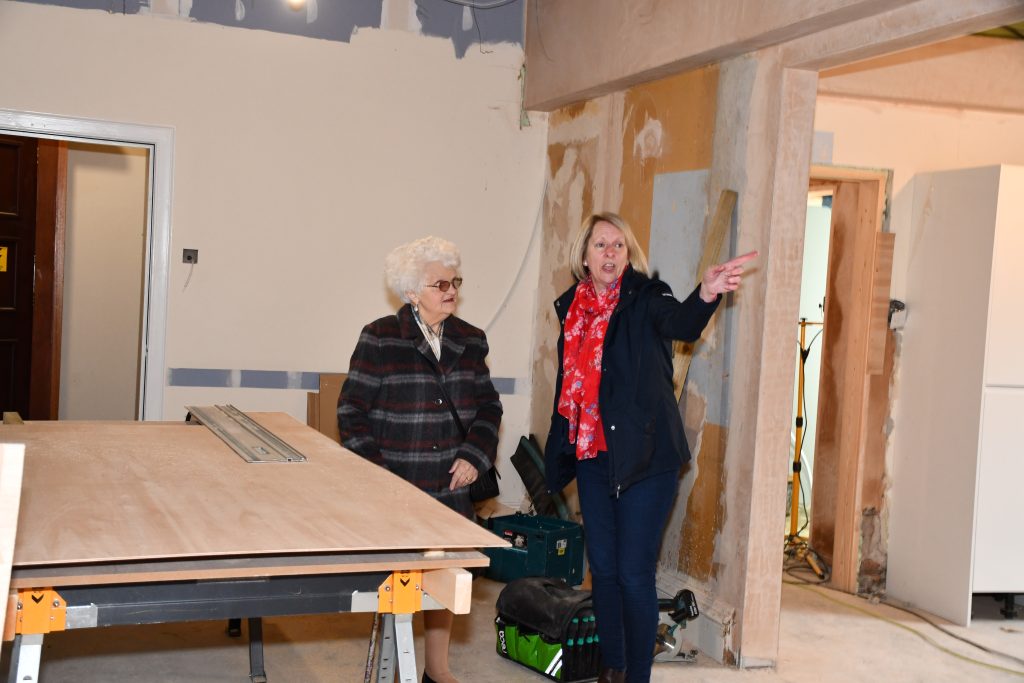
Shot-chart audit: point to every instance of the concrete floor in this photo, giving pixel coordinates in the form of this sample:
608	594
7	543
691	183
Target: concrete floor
822	639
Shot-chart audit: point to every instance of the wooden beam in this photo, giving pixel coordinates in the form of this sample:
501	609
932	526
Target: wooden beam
452	587
682	353
856	376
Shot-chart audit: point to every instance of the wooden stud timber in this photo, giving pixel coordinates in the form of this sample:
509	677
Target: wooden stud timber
452	587
682	353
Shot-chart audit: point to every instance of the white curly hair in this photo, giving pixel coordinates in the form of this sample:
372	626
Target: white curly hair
404	266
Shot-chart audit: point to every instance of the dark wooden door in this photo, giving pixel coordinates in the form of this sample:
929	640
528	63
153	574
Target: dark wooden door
17	265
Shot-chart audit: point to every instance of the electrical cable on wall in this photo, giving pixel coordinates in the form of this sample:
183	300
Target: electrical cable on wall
479	34
522	263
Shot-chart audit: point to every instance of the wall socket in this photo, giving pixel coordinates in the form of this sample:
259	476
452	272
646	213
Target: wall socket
190	256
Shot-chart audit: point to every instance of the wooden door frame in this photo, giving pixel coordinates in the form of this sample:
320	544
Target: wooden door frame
160	142
47	313
853	358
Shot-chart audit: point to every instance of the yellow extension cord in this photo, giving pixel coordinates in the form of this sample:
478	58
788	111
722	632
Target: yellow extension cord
917	633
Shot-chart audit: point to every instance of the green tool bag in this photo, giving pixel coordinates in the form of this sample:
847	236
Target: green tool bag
548	627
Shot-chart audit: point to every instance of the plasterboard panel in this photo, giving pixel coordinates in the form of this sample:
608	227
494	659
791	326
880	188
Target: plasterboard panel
1004	362
998	554
935	459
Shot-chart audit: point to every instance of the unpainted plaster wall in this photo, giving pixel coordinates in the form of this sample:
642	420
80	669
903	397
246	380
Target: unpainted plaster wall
973	72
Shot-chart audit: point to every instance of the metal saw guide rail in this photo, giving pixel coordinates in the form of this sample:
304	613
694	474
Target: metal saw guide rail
243	434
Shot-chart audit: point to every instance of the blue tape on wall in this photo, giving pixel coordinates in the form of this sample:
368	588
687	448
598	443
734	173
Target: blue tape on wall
274	379
198	377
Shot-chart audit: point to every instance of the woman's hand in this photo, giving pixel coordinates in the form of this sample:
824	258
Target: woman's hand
463	474
725	277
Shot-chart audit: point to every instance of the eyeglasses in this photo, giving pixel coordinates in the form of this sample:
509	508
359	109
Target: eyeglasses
443	285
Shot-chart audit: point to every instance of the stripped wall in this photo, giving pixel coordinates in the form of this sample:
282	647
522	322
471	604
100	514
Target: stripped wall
298	164
646	152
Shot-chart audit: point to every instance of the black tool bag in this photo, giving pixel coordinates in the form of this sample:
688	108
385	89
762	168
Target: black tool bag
548	627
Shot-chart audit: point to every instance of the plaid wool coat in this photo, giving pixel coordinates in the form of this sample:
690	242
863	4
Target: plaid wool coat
391	409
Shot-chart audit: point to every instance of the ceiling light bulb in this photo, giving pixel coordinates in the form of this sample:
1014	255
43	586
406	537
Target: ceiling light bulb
296	4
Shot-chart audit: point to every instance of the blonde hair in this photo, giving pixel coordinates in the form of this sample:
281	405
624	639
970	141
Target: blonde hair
404	267
578	250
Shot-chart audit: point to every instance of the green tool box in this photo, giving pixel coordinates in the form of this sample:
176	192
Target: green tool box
550	628
541	546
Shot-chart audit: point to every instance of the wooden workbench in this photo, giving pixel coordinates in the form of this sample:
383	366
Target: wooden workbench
108	507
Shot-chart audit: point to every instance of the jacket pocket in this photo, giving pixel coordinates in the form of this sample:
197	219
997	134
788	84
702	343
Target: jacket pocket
632	437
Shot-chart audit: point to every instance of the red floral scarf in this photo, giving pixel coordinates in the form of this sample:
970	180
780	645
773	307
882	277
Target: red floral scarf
585	327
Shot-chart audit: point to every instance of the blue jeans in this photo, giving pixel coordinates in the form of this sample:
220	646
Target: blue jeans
623	536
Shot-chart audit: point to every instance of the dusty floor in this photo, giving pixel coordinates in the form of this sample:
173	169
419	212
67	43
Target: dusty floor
822	640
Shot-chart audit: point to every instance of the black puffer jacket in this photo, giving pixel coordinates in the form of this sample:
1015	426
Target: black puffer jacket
642	426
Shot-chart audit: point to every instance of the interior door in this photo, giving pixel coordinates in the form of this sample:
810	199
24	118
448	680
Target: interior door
17	264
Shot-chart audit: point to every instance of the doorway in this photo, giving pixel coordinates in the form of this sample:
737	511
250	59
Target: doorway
73	225
849	297
807	333
157	145
104	258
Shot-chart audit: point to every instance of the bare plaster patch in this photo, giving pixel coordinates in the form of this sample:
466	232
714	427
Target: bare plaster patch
580	125
647	143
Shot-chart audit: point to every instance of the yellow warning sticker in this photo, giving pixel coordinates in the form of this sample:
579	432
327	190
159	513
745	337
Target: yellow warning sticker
3	259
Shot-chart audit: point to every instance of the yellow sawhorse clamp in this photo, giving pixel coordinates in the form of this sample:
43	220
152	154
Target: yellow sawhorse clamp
401	593
398	598
40	610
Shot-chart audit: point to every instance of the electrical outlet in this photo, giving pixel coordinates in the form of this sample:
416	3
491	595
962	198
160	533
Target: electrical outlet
190	256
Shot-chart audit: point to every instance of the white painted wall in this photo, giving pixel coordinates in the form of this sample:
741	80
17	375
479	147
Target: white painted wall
298	164
103	266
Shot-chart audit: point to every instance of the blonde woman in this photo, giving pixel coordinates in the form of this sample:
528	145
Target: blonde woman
616	427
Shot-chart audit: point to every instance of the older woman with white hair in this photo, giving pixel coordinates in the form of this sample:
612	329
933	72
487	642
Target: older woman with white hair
407	372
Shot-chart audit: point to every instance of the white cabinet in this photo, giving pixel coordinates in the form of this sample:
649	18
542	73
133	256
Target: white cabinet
956	512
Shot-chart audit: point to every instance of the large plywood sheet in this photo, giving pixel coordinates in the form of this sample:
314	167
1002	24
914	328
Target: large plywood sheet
115	491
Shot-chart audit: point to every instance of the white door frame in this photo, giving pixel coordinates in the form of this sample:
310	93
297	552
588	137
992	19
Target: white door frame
160	141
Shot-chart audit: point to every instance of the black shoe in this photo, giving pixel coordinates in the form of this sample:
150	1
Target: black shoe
612	676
